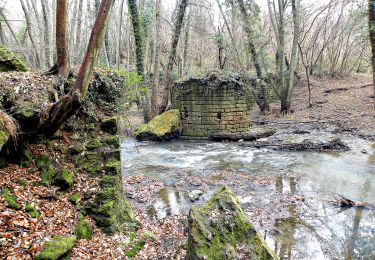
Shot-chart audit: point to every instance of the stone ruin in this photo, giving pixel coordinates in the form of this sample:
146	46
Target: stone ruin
211	104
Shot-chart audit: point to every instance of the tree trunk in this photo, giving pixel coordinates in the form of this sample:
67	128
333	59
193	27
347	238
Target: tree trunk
186	42
39	30
79	24
62	60
133	11
71	102
2	33
155	89
32	39
371	15
292	66
118	40
251	46
172	55
46	32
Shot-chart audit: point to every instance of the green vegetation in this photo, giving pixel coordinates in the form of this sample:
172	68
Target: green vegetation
135	249
56	249
10	198
10	62
32	211
75	198
83	230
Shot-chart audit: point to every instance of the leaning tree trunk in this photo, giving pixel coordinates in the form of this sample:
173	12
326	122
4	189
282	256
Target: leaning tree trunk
251	46
371	15
69	104
166	99
133	10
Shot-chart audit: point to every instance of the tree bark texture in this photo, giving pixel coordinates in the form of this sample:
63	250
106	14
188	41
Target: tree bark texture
371	16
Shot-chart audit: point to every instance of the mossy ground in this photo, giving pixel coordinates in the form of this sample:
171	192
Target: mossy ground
83	230
57	248
10	198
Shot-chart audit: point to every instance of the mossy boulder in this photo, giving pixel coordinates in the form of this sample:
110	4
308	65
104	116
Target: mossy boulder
83	230
220	229
110	125
64	179
10	62
58	248
47	170
163	127
10	198
33	212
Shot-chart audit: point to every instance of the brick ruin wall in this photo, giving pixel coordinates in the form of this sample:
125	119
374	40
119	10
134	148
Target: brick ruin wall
209	109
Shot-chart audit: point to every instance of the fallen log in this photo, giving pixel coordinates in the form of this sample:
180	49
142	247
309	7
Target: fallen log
252	135
305	145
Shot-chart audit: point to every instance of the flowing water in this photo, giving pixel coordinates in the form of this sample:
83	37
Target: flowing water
286	194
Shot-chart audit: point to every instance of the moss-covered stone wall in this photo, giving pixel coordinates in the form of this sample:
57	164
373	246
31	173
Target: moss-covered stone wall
211	108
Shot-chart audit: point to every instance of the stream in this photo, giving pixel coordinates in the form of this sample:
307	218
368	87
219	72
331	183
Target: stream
286	194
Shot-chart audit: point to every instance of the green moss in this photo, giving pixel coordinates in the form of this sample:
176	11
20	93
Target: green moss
21	182
93	144
57	248
109	125
220	226
83	230
113	140
10	199
109	181
76	149
162	128
113	167
10	62
135	249
64	179
42	162
106	195
32	211
75	198
47	171
4	136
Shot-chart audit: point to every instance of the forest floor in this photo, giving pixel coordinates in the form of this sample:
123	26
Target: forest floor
346	103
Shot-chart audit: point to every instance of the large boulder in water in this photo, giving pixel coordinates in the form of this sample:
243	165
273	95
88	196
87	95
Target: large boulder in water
220	229
162	128
10	62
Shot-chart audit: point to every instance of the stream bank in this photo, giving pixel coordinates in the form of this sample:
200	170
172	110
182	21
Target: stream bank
286	194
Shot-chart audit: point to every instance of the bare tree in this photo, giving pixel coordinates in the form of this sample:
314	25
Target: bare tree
166	99
371	16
